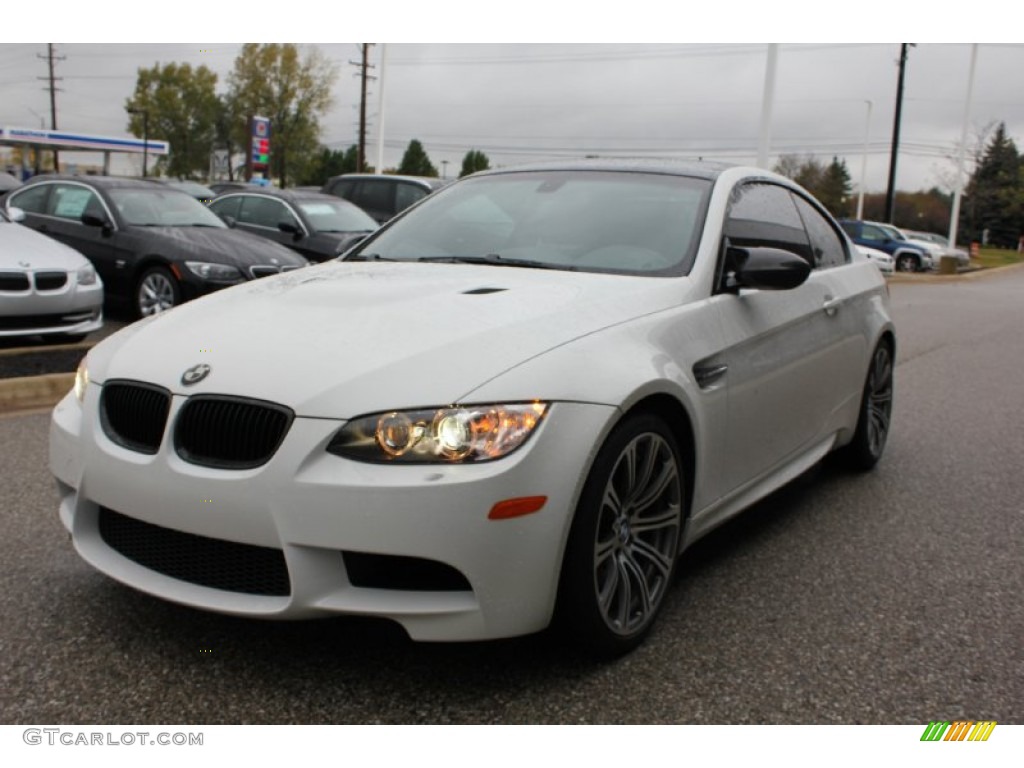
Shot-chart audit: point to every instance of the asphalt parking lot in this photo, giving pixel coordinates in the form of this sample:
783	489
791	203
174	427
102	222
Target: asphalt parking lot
887	598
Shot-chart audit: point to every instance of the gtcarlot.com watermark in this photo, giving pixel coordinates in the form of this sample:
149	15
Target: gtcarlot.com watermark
72	738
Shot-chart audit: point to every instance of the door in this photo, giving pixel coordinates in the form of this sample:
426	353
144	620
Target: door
781	348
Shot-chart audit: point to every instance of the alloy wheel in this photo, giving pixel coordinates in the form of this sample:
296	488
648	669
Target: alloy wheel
637	533
878	403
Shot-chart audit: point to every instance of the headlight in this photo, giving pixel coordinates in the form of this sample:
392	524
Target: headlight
87	275
439	435
209	271
81	380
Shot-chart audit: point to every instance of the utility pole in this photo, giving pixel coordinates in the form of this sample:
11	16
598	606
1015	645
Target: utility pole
890	193
364	75
53	96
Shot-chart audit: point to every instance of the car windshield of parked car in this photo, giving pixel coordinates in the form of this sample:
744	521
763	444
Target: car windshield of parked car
162	208
594	221
336	216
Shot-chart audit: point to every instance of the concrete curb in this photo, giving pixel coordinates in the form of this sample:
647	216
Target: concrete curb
30	392
928	277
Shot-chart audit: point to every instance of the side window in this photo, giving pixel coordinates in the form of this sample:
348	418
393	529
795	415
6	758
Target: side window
375	196
343	188
849	227
765	215
264	212
826	244
227	207
70	201
875	234
407	194
31	200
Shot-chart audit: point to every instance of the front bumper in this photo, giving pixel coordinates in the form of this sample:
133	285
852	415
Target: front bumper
312	506
73	310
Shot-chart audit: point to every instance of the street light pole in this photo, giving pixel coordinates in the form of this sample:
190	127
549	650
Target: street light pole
864	163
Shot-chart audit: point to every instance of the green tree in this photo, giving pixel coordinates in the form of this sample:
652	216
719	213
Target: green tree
474	161
179	105
834	189
415	161
995	194
328	163
806	171
273	81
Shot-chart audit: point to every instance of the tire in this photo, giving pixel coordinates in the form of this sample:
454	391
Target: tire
156	291
907	262
875	418
624	540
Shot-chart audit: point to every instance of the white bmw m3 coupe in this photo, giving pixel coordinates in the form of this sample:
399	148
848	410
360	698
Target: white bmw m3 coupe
514	405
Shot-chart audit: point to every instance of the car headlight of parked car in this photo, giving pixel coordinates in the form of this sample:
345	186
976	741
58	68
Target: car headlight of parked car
439	435
87	275
81	380
210	271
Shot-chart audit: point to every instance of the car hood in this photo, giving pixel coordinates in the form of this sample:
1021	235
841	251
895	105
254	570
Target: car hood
343	339
223	246
21	245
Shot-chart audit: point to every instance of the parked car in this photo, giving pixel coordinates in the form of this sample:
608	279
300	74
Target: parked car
382	196
7	183
46	288
154	246
220	187
881	259
318	226
940	246
530	394
201	193
909	257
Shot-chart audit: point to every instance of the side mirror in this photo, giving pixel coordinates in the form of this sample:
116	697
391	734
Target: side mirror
16	214
229	220
291	227
771	269
95	220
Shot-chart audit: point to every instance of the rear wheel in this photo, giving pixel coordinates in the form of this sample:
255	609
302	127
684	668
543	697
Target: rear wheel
624	540
869	440
157	291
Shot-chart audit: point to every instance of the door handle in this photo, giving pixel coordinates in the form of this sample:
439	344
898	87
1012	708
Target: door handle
831	305
706	375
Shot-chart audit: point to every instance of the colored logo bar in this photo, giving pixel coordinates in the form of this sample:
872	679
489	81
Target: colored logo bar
958	730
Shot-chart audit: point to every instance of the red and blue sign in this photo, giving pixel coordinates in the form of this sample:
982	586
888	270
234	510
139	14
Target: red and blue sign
260	144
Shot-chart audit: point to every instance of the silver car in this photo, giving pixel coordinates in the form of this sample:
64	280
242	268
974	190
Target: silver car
46	288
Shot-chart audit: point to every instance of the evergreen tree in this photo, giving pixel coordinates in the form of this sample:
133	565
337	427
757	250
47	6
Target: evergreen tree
474	161
415	161
834	188
995	194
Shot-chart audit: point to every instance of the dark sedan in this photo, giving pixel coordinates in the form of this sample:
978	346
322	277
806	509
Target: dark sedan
320	227
153	246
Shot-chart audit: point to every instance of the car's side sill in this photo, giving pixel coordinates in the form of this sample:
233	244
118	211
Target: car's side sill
720	511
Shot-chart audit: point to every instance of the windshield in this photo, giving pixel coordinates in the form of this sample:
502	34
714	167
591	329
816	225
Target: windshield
162	208
594	221
336	216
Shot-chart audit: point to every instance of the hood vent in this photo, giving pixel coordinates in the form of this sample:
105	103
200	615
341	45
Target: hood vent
482	291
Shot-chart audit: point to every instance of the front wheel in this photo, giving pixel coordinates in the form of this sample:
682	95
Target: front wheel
624	539
906	262
157	291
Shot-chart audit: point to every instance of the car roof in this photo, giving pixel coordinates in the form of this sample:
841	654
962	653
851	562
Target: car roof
703	169
431	181
101	182
290	195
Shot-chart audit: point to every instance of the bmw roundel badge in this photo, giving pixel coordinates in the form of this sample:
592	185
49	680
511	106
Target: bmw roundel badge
195	374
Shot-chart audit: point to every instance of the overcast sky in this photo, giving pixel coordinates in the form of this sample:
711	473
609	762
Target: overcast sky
521	102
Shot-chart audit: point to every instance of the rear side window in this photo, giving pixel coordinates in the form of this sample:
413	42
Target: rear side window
375	195
407	194
31	200
826	243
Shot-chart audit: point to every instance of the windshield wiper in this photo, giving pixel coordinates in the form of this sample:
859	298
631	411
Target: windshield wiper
496	260
368	257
